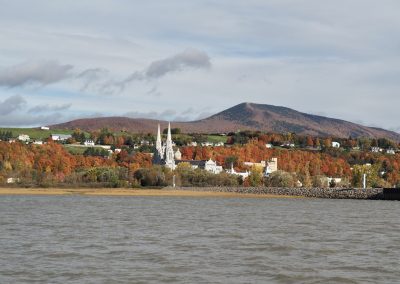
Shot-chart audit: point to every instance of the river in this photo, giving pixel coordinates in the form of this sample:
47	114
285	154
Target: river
101	239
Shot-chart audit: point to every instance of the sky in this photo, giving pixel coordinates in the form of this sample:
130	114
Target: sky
185	60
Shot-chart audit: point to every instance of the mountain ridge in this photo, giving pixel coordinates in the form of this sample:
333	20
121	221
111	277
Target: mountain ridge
244	116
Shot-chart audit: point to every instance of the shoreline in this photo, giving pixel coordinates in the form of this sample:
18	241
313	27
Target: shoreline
166	192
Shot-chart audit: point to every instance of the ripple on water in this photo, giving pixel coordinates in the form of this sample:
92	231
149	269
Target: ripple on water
78	239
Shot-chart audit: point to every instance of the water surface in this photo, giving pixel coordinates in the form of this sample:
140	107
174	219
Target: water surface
100	239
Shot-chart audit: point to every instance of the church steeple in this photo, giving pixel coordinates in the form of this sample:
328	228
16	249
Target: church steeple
169	151
158	142
169	137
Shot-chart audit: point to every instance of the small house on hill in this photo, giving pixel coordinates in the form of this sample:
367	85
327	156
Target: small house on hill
60	137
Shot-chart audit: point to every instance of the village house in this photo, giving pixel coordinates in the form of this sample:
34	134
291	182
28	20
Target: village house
272	166
23	137
335	144
88	143
268	167
288	145
243	175
390	151
207	144
12	180
208	165
60	137
45	128
376	149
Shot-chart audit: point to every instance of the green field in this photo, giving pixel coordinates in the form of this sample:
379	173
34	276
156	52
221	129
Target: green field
35	133
77	150
217	138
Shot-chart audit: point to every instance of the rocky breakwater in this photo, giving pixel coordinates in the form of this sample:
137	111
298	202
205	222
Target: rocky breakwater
331	193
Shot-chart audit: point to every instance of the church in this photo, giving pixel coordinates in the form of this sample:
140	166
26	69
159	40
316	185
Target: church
164	153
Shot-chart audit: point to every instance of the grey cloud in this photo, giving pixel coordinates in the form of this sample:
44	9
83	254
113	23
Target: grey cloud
188	111
34	72
23	120
11	104
167	114
189	58
172	115
49	108
204	115
192	58
154	92
89	77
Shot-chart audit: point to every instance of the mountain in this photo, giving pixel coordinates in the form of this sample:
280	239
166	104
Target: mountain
245	116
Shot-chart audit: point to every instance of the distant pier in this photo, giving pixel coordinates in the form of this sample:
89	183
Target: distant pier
391	193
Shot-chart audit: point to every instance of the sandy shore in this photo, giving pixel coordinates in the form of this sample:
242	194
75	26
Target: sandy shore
130	192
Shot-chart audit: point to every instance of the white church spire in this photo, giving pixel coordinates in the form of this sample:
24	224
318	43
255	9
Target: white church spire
169	151
169	138
158	142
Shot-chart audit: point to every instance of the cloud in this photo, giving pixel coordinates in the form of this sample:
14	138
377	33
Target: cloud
11	104
167	114
49	108
190	58
23	120
90	76
204	115
34	72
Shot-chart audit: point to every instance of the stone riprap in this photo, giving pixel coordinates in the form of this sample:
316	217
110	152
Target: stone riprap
332	193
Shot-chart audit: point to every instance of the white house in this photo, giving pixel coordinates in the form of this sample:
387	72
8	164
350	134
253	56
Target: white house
193	143
376	149
178	155
207	144
105	147
243	175
23	137
272	166
88	143
260	164
45	128
38	142
335	144
212	167
288	145
12	180
268	146
60	137
219	144
390	151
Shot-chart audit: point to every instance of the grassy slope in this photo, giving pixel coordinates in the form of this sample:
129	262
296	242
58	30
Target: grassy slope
35	133
217	138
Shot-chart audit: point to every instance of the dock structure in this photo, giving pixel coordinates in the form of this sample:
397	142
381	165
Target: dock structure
391	193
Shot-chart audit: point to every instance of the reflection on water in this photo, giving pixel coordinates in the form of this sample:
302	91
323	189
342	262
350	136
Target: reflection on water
77	239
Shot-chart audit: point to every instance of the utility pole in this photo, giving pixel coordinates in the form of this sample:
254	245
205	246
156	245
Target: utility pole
365	181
